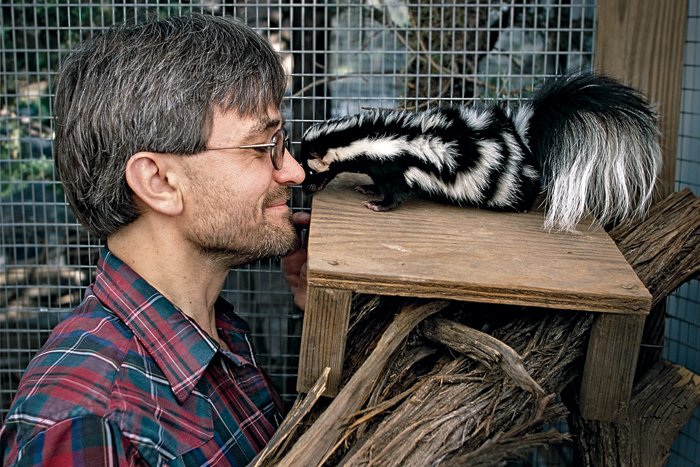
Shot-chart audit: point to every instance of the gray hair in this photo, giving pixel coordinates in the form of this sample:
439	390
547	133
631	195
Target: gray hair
151	87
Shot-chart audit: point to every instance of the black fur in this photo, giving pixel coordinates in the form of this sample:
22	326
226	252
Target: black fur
590	142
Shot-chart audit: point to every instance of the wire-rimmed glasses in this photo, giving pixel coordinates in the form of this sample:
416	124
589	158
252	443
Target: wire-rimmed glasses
278	144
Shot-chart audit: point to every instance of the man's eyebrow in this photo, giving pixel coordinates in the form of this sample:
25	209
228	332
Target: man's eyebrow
267	124
263	126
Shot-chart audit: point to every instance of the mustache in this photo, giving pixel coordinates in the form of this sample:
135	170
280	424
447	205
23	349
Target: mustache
277	194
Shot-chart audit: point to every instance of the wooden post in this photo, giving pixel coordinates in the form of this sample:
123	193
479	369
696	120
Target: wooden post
641	43
323	337
608	374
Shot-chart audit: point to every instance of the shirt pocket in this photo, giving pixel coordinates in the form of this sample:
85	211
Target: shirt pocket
170	429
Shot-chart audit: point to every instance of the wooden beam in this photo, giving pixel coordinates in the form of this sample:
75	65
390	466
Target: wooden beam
641	42
323	337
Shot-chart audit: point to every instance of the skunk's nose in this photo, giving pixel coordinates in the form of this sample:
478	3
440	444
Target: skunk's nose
310	188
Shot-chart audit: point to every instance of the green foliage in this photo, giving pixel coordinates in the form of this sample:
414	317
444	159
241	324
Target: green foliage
34	38
20	174
25	139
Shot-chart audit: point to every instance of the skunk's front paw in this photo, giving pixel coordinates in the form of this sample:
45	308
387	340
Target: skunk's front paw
380	206
374	206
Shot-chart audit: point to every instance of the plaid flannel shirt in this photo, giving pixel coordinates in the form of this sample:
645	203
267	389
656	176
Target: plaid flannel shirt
128	379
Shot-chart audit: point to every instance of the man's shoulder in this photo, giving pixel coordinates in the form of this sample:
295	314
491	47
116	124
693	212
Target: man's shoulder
91	339
75	370
93	367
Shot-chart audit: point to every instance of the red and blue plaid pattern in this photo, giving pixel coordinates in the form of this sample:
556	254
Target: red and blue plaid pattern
128	379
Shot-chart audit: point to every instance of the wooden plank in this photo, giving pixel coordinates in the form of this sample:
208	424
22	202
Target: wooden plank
425	249
641	42
611	361
323	337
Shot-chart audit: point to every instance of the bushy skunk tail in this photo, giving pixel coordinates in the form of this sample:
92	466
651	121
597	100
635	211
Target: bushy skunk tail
597	142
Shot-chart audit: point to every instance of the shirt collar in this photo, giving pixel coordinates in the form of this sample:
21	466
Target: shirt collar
181	349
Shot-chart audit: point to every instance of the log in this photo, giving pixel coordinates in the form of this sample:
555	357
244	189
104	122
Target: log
320	441
662	404
664	251
482	407
483	348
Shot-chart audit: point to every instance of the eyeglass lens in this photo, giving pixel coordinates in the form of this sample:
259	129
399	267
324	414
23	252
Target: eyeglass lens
281	141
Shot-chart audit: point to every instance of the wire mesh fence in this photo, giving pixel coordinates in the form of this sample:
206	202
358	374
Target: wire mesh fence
683	322
341	56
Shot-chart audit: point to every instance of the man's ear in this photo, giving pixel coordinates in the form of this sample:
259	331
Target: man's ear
154	180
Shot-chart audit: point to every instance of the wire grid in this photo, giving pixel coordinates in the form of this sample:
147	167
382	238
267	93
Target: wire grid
342	57
683	323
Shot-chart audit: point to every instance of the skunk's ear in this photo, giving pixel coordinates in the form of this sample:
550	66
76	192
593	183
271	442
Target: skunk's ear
318	163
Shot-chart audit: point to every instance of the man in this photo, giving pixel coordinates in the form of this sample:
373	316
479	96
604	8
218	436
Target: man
170	146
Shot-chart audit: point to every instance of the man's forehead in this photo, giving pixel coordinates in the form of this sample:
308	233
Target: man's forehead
251	124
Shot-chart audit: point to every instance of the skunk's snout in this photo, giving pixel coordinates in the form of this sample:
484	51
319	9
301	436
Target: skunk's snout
312	187
312	183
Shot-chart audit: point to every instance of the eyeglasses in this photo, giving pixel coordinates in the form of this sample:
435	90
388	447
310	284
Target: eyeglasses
278	144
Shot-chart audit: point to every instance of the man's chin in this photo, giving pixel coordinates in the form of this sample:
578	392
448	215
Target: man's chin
275	239
279	218
279	235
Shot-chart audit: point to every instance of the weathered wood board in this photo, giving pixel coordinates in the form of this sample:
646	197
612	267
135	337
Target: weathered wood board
428	250
425	249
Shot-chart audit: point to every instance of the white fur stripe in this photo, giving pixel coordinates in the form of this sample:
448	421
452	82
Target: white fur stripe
468	186
433	151
331	126
521	121
477	119
507	190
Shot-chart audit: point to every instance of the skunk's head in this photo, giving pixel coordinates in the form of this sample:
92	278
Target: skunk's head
318	168
361	143
323	151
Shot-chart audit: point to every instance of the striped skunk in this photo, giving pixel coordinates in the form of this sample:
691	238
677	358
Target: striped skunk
588	142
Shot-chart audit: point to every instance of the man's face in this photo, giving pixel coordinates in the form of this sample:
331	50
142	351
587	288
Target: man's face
236	208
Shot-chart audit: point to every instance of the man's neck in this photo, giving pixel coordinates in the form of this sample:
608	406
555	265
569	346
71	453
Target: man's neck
184	276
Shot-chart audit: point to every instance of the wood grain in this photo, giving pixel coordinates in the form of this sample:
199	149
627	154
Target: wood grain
323	337
641	42
424	249
611	361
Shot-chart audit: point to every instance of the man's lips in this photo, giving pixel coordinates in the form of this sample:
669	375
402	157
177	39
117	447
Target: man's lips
282	202
277	198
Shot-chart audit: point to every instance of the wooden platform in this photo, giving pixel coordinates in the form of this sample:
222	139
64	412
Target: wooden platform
429	250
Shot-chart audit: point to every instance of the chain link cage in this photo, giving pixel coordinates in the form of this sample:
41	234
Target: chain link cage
341	56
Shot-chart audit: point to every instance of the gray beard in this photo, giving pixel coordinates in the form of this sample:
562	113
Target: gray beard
271	242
